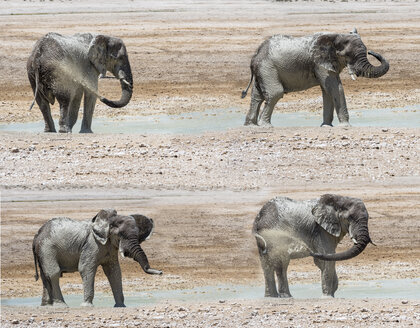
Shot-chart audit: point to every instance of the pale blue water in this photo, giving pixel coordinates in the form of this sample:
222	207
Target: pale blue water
396	289
221	120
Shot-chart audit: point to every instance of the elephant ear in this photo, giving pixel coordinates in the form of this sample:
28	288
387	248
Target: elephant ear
97	53
145	225
326	216
100	225
324	53
354	31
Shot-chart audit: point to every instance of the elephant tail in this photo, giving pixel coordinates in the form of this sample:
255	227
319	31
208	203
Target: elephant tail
35	262
244	92
36	88
261	243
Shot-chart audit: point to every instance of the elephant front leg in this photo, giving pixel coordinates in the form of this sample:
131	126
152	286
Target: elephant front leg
334	89
329	277
113	273
328	109
89	107
64	115
88	278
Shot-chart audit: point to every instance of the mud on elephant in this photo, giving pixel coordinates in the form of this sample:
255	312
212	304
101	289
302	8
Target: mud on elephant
284	64
65	245
67	67
286	229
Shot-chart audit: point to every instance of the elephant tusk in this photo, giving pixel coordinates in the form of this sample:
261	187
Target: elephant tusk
354	241
353	77
106	77
126	82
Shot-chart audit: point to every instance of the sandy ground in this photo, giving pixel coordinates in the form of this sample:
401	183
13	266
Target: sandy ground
204	191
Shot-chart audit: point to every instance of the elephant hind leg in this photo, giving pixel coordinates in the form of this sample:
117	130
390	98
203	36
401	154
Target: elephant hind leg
281	270
52	291
46	300
254	110
273	91
44	106
270	281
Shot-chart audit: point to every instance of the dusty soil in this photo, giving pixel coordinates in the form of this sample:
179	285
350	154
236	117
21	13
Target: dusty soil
204	191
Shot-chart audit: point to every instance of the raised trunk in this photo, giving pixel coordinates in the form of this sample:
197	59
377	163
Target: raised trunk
364	68
126	80
362	240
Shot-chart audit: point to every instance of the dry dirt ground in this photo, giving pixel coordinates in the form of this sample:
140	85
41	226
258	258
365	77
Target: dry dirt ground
204	191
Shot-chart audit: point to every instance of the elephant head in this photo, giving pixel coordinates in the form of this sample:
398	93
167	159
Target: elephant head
125	233
336	51
339	215
110	54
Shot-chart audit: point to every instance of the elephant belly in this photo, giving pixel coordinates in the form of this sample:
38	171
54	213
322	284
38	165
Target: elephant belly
69	264
297	80
283	243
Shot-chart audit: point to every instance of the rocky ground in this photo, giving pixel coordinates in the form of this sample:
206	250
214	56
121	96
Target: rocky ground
203	191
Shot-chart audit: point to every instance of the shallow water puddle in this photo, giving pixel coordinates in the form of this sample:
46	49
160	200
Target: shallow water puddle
221	120
398	289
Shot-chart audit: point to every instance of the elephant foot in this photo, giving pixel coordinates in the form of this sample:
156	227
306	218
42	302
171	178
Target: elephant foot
323	125
327	296
59	304
85	130
275	295
86	304
344	124
264	124
284	295
250	123
64	129
119	305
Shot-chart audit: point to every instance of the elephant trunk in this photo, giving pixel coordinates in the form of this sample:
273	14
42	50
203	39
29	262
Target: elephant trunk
126	81
364	68
361	240
137	253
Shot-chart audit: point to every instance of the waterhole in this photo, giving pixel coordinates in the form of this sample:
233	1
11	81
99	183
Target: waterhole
222	120
397	289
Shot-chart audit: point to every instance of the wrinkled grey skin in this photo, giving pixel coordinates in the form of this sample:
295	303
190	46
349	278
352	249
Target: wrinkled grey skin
284	64
67	68
286	229
65	245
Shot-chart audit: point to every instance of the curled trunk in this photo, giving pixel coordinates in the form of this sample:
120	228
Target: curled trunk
364	68
126	81
361	242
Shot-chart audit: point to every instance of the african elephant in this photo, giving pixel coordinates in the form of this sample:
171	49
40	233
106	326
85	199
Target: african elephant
284	64
67	68
286	229
65	245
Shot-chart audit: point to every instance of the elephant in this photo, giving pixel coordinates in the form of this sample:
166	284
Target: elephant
67	68
284	64
287	229
64	245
